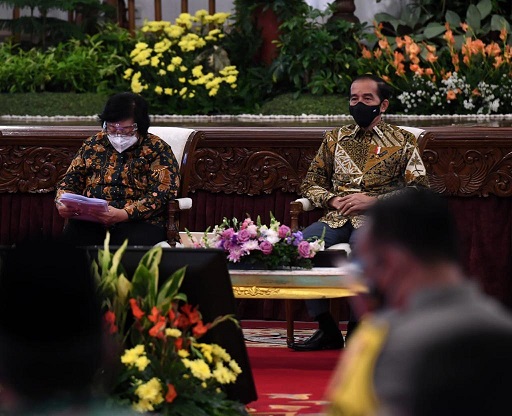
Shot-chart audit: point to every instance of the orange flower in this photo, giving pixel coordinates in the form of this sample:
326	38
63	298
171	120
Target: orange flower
157	331
408	40
155	315
413	49
429	71
498	61
448	36
383	43
377	53
451	95
171	393
416	69
493	49
136	311
464	26
200	329
386	78
193	315
110	321
178	343
399	42
432	57
475	92
366	53
503	34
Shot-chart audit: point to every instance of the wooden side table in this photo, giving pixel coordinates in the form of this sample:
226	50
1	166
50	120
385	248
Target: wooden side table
316	283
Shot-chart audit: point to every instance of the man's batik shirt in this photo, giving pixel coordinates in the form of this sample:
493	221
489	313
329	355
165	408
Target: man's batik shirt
350	160
141	180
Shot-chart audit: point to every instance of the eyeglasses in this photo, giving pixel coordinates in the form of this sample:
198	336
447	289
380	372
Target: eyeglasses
116	128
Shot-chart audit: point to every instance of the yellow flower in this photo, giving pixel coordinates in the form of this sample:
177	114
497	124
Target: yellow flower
128	73
220	352
198	368
182	80
197	71
173	332
183	91
159	90
183	68
174	31
142	362
143	406
233	365
223	375
213	92
231	79
131	356
168	91
171	67
162	72
176	60
183	353
201	13
155	60
191	95
150	391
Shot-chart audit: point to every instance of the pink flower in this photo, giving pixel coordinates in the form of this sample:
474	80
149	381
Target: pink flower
304	249
228	234
266	247
247	222
283	231
235	253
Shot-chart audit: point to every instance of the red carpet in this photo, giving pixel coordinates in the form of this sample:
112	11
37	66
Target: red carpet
289	382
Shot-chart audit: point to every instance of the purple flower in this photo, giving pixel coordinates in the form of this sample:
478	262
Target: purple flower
304	249
297	238
266	247
284	231
235	253
243	235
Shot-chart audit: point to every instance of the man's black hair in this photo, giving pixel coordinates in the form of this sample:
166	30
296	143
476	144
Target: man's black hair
384	90
418	220
127	105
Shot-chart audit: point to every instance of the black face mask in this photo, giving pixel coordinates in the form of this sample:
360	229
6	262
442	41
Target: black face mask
364	114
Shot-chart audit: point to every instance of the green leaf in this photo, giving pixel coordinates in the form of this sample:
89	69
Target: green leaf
485	8
433	30
473	18
170	289
453	19
499	22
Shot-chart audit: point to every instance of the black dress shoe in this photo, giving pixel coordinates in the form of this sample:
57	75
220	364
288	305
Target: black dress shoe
320	340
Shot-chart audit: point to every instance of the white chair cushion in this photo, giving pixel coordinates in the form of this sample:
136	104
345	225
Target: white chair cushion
176	137
414	130
306	204
184	203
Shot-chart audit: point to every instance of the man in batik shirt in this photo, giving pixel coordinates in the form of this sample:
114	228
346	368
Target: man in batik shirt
135	171
355	165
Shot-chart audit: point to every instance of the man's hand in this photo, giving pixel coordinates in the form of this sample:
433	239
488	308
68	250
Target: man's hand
352	204
65	211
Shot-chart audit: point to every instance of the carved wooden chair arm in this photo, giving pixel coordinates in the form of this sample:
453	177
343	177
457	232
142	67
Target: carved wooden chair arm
173	227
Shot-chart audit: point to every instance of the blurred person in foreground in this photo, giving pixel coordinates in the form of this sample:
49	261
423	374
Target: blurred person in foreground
134	171
355	166
408	250
52	345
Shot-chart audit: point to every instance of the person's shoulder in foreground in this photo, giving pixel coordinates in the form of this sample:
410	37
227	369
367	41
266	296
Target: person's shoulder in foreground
409	252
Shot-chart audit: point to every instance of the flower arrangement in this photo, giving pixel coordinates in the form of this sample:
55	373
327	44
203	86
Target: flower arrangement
270	247
163	367
461	75
181	66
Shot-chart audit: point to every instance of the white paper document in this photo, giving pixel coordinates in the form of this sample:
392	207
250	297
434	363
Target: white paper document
84	205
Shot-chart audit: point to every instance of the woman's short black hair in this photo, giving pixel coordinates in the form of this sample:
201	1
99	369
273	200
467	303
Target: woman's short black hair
127	105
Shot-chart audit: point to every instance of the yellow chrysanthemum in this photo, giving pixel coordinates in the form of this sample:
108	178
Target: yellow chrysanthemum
183	353
150	391
128	73
176	60
223	375
162	72
171	68
159	90
173	332
198	368
168	91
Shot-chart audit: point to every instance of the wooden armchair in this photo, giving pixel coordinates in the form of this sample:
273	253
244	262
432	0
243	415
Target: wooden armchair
183	142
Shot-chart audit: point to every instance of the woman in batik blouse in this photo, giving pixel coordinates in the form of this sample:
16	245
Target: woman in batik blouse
134	171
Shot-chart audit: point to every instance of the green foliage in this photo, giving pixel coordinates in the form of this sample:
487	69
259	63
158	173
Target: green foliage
93	64
289	104
51	104
316	55
42	30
